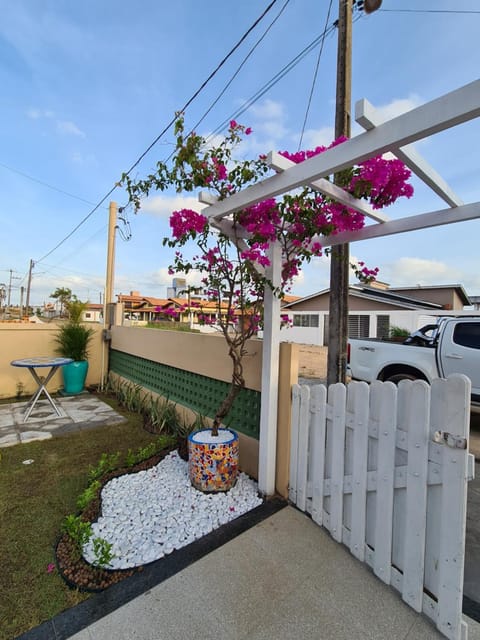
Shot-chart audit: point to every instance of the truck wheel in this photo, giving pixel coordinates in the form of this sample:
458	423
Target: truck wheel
397	377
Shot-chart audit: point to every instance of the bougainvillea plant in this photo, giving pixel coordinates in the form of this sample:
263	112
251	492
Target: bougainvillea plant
232	254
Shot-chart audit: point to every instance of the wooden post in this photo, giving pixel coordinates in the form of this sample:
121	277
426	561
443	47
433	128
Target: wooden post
112	225
340	260
108	297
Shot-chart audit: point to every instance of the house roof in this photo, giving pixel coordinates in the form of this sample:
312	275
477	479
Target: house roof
382	296
458	288
288	299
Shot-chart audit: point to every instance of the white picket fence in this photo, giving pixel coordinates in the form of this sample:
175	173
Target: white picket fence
385	470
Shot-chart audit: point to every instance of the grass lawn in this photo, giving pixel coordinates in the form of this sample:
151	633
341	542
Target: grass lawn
34	499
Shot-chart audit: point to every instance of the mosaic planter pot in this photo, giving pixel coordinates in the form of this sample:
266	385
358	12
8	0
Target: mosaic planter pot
213	462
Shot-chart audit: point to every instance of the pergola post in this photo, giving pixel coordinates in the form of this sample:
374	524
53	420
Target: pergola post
270	370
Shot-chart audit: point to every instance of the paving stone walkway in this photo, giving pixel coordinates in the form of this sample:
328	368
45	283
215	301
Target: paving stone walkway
84	411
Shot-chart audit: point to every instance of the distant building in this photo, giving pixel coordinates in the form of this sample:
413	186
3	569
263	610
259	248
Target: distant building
93	313
372	310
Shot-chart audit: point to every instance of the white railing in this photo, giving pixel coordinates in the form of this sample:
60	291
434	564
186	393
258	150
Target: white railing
385	470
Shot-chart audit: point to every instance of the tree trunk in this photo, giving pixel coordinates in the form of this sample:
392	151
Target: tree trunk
238	383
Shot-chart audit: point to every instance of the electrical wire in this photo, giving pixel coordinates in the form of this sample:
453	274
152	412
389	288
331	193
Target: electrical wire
273	81
314	80
53	268
429	11
165	129
239	68
44	184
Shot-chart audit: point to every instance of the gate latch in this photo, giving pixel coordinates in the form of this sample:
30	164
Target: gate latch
456	442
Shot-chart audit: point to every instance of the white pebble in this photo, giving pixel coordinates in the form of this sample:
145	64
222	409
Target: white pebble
147	515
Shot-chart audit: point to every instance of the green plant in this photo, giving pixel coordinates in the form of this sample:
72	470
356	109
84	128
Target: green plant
73	340
89	494
79	530
160	415
398	332
133	397
102	551
75	309
130	458
143	453
108	462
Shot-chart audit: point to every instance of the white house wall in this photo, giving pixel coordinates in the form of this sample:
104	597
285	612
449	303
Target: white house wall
410	320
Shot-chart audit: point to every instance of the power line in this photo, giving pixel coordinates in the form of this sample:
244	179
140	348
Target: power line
314	81
52	268
239	68
430	11
44	184
166	128
273	81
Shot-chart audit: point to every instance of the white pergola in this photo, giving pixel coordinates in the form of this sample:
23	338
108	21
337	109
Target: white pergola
393	136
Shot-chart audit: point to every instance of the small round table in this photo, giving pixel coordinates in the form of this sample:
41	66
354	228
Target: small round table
40	362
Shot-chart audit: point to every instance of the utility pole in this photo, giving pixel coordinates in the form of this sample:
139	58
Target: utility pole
22	291
340	254
112	225
9	292
108	297
29	284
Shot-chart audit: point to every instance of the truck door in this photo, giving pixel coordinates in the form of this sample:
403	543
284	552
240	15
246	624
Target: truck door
460	351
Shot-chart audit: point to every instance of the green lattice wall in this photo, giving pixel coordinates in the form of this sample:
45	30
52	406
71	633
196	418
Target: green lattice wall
199	393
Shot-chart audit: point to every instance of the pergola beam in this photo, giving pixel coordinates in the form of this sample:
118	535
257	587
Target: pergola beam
409	223
280	163
367	116
447	111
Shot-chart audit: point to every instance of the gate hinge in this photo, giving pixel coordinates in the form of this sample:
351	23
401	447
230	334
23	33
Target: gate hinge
456	442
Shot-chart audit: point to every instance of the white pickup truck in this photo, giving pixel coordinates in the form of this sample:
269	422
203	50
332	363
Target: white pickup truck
451	345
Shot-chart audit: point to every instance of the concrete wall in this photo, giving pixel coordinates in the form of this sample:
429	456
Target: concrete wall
205	354
18	340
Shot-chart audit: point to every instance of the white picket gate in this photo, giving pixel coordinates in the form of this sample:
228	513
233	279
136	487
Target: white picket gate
385	470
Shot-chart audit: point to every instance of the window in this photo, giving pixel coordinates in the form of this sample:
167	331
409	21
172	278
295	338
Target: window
88	314
358	326
305	320
383	327
467	335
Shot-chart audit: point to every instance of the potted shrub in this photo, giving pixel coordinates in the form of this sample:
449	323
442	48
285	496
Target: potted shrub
72	341
398	334
231	255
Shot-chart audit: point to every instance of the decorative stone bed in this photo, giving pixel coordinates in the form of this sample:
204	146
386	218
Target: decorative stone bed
147	513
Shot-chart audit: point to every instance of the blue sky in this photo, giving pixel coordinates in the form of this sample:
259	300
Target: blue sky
86	87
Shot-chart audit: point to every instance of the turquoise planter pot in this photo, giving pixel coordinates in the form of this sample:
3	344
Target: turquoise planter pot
74	375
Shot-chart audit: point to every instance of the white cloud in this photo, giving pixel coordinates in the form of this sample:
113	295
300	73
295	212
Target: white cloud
161	277
36	114
163	206
398	106
391	110
267	110
64	127
69	128
412	271
317	137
